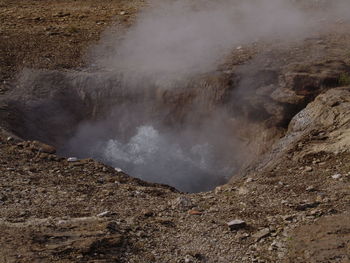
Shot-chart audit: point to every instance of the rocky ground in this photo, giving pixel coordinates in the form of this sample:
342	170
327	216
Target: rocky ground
290	205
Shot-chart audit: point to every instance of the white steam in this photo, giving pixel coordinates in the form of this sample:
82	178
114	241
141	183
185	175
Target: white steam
159	158
182	38
187	160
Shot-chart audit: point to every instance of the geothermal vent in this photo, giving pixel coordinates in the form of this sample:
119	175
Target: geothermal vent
159	101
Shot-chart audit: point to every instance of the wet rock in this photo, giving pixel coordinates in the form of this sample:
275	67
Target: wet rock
236	224
286	96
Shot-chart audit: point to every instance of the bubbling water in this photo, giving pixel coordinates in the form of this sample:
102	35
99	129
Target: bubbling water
165	158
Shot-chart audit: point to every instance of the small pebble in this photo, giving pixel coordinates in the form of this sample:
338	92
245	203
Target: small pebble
308	169
104	214
336	176
72	159
236	224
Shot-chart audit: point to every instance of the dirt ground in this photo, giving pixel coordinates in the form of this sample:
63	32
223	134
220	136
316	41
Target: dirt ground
55	34
295	207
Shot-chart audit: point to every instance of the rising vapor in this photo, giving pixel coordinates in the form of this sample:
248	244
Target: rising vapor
170	44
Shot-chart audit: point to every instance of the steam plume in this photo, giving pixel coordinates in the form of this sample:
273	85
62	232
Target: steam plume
182	38
171	43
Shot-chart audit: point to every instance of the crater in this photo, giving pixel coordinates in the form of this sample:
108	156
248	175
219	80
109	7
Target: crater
193	135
